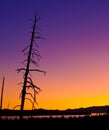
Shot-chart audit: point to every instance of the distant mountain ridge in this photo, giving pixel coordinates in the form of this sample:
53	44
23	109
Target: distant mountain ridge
87	110
41	111
92	109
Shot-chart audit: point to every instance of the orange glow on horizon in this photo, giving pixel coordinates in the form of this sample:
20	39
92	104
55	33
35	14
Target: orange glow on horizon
62	93
65	104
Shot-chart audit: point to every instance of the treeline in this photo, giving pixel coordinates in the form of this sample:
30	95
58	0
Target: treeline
79	111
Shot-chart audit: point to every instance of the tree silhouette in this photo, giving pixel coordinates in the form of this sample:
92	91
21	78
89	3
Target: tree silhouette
2	90
32	58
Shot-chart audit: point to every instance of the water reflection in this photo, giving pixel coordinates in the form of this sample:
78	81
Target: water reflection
53	116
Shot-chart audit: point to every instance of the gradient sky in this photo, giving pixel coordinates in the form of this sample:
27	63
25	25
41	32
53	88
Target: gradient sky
75	51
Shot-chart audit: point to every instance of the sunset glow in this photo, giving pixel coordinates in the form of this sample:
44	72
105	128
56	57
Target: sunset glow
75	51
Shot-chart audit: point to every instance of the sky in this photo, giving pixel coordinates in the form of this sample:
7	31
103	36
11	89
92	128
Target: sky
75	51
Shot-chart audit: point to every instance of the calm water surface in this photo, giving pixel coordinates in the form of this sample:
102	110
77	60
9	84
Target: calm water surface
53	116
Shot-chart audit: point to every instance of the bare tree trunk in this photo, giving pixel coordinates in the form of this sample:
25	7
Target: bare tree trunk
2	90
31	53
27	67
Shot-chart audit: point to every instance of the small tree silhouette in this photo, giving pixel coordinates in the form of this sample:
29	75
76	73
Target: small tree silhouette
31	52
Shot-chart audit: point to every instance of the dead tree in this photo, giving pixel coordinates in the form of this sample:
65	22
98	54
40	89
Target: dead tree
32	58
2	90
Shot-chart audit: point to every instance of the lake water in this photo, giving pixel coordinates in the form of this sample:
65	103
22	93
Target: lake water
53	116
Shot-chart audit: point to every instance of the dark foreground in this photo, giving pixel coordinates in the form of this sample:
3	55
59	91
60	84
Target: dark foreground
81	123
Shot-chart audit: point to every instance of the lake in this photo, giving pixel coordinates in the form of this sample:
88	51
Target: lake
52	116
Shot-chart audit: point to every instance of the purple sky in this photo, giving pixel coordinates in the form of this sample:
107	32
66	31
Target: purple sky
75	50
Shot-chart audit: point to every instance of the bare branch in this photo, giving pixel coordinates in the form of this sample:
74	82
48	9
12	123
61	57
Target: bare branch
38	71
35	50
35	43
30	95
20	83
34	62
26	53
25	48
32	85
18	70
34	98
30	74
30	79
37	54
24	61
31	102
16	106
